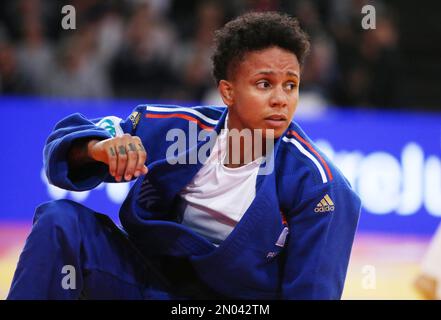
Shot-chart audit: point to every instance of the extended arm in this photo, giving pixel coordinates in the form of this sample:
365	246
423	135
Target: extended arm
80	153
124	156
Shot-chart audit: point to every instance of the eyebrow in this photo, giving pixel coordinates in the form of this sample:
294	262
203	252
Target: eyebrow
268	72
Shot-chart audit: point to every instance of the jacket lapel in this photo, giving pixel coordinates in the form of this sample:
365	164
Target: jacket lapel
169	178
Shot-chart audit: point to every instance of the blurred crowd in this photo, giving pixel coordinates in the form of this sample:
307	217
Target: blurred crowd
160	49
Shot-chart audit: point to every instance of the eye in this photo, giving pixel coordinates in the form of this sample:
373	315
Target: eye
291	85
263	84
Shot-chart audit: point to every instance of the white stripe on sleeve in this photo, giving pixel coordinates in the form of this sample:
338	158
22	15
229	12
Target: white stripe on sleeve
309	155
181	109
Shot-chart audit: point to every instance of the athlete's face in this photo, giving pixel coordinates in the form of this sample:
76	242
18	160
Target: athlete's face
263	92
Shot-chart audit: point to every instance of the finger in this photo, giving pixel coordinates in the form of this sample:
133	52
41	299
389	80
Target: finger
122	162
132	161
113	158
142	157
141	146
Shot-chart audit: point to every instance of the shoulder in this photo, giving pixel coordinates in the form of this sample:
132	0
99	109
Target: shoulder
204	116
304	169
299	151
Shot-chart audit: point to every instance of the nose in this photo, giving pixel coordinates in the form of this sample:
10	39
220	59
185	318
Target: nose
279	98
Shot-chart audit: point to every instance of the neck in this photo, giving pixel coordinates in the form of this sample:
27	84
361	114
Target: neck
243	145
242	150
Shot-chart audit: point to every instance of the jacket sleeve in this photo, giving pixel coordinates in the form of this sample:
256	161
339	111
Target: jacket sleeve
322	228
71	129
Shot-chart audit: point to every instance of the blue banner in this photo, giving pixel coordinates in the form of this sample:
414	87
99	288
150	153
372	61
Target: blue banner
392	159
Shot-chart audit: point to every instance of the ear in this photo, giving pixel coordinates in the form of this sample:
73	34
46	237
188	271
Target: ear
226	91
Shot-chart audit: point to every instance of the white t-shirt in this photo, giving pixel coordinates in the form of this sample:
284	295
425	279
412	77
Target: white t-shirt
218	196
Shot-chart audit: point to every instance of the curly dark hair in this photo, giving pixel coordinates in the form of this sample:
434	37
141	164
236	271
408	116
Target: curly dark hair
253	32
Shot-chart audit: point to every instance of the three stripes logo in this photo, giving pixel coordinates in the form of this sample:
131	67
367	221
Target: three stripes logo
325	205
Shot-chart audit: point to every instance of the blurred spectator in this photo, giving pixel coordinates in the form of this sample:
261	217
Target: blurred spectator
12	79
368	59
34	54
142	66
160	50
319	72
192	59
110	33
79	72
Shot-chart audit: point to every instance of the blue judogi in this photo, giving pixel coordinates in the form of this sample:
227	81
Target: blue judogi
293	242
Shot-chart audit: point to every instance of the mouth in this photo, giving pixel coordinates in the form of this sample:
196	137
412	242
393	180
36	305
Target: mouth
277	117
276	120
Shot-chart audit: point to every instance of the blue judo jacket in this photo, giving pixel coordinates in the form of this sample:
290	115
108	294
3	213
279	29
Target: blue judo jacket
293	242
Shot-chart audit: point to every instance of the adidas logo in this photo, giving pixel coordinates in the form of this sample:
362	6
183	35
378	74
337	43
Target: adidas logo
325	205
